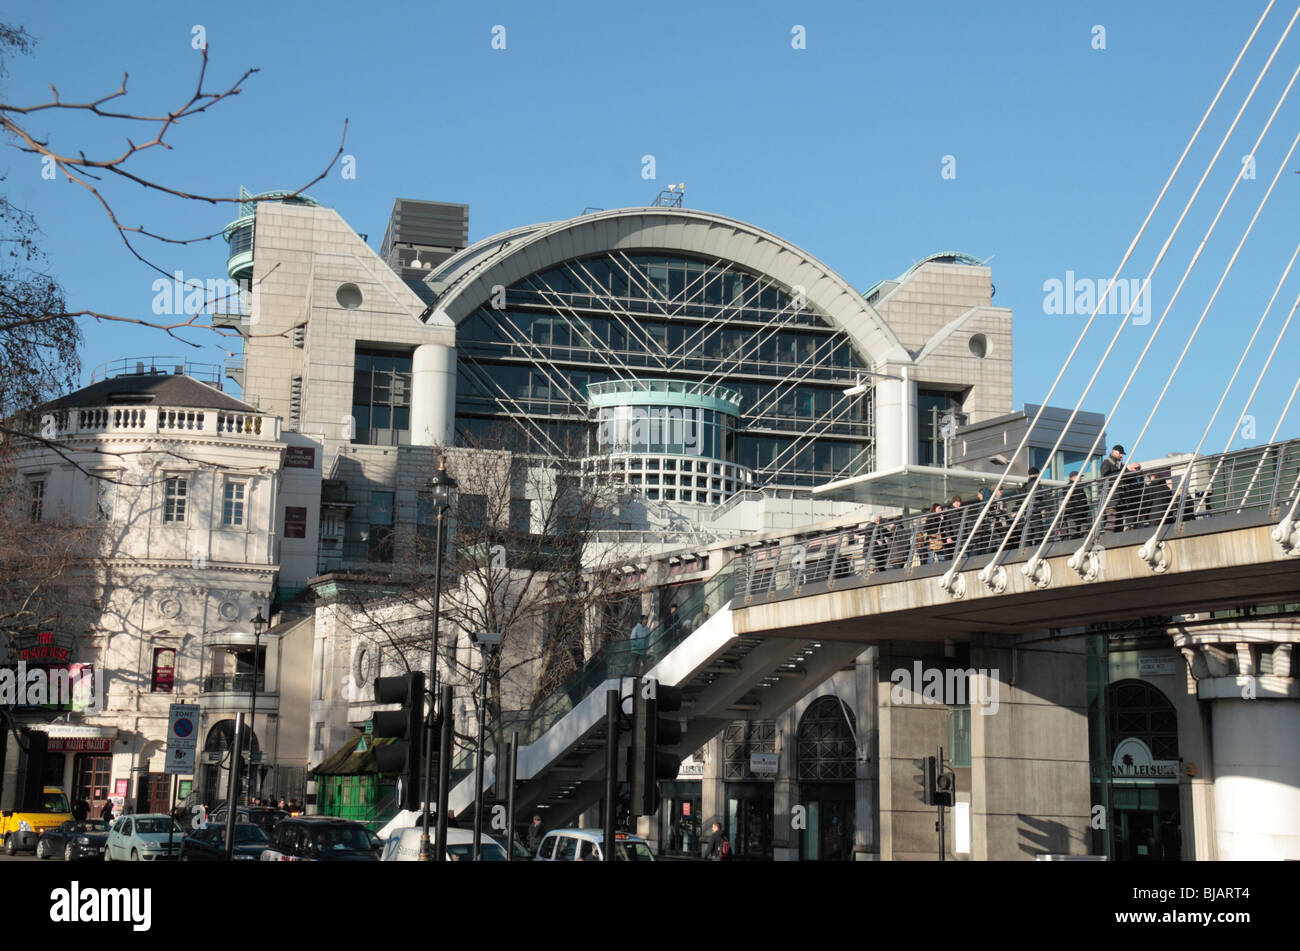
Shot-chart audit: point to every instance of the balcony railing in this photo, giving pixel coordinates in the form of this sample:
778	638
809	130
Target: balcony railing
233	683
166	420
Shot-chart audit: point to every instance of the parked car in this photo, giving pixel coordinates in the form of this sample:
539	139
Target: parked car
584	845
21	828
73	840
403	845
265	818
150	837
209	843
521	851
322	839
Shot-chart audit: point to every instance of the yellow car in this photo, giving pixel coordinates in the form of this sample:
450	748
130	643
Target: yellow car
20	830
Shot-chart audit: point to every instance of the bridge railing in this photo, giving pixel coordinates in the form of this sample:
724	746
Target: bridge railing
1259	479
625	657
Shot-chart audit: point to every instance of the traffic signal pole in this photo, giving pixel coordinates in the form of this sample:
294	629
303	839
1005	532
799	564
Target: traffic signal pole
232	786
613	702
444	771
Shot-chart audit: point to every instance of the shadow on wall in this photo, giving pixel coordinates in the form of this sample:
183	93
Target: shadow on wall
1040	836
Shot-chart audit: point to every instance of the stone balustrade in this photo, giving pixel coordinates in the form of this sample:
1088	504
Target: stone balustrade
165	420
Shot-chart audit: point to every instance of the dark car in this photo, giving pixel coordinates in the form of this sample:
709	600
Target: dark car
75	841
209	843
322	839
265	818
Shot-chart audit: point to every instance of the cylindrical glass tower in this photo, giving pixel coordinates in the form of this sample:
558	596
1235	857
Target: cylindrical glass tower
674	440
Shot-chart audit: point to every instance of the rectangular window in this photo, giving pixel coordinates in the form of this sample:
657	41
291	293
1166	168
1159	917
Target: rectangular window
105	497
37	488
176	492
164	669
521	516
381	397
320	736
471	513
381	526
232	504
959	735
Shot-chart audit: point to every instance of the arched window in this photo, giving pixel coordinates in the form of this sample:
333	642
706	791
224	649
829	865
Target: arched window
222	736
1137	709
827	748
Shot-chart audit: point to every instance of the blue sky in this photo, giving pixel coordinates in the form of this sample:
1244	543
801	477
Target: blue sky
1059	148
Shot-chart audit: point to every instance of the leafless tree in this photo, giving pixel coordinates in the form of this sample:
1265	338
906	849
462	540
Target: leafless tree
530	554
146	132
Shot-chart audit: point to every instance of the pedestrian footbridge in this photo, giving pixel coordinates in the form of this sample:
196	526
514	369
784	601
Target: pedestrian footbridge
1205	534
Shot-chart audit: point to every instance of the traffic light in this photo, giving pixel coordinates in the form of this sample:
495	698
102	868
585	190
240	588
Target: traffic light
944	787
927	779
650	762
406	725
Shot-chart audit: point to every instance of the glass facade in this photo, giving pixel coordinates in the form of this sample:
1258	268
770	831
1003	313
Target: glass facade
381	397
624	316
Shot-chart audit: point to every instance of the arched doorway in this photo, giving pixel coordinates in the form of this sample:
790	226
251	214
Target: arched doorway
214	778
1142	733
154	792
826	770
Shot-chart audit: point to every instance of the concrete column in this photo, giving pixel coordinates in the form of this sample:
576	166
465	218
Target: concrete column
1030	767
433	395
866	821
1254	719
895	420
785	790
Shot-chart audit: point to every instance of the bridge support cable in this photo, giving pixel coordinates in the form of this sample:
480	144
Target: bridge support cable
1148	551
947	581
1078	560
989	572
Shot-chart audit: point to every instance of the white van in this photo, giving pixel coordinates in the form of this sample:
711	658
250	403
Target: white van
583	845
403	845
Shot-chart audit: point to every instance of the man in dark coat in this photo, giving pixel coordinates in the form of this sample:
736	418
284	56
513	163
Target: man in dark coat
1112	467
535	833
1078	513
1159	494
1128	498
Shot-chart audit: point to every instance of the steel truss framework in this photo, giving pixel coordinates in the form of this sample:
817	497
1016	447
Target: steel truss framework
633	315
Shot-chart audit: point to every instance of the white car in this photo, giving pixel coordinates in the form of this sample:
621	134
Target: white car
584	845
145	838
403	845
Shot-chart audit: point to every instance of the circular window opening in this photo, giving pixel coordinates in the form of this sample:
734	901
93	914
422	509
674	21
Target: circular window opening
979	345
348	296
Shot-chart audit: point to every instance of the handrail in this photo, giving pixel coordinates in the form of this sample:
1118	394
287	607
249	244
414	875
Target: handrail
1258	479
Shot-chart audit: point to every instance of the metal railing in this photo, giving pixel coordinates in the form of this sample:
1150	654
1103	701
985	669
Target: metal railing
1260	481
624	657
233	683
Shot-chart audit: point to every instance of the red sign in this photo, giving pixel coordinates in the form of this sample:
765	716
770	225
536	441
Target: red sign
80	744
119	787
295	521
164	669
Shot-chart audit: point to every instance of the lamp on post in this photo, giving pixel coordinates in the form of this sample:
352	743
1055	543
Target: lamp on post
259	625
441	487
488	644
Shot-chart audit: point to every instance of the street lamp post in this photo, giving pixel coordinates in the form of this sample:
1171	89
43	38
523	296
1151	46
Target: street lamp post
259	623
488	644
441	487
